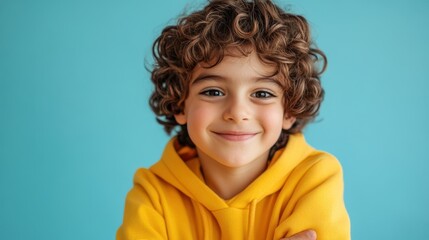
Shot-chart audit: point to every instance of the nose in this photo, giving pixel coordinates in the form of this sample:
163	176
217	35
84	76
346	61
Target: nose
236	110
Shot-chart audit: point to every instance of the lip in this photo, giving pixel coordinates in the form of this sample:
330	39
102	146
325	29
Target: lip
235	136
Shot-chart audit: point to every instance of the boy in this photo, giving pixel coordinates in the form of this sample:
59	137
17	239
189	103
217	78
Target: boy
238	81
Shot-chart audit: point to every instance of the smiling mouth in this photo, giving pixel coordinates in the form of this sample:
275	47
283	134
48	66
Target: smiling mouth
235	136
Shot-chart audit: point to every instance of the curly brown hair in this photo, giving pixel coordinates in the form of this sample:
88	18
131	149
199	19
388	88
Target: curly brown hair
278	37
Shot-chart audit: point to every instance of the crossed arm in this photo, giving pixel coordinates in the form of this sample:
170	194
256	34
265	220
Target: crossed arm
304	235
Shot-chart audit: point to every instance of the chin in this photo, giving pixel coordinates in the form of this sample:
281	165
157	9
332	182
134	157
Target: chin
236	163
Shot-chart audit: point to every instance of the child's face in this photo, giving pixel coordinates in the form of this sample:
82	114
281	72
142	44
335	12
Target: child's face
234	113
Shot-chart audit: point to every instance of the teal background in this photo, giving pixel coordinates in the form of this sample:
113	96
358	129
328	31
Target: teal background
75	123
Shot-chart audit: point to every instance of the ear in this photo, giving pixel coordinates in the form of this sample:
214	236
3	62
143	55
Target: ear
180	118
288	122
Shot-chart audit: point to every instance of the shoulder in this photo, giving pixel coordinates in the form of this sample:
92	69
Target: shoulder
320	161
317	168
143	175
146	179
321	173
310	166
144	183
311	158
302	159
148	190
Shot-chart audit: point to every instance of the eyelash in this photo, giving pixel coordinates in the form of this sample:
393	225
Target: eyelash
218	93
212	93
266	94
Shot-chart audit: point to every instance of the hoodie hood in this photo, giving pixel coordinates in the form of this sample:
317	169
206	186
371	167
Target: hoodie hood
179	166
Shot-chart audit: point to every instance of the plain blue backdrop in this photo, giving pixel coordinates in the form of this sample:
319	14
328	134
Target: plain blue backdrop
75	122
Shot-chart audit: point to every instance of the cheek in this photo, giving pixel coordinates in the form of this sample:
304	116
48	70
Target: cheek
272	118
199	116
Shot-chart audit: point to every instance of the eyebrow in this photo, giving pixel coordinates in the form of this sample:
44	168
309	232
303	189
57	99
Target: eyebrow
208	77
205	77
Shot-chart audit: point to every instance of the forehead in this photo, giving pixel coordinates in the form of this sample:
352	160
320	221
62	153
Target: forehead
235	63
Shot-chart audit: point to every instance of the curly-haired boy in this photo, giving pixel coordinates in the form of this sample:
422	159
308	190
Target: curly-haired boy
238	81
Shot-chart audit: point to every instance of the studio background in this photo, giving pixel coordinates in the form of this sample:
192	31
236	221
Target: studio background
75	122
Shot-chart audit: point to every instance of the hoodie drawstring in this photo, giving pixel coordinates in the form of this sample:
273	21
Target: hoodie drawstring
251	220
205	222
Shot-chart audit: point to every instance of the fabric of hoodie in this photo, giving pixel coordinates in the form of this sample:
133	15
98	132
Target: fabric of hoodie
302	188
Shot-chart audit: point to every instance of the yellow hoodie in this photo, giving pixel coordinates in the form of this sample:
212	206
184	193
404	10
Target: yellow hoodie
302	188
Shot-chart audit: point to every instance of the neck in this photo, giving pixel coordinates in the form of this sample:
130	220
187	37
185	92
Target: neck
229	181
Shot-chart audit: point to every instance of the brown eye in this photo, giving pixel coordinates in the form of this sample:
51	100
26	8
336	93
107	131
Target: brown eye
212	93
263	94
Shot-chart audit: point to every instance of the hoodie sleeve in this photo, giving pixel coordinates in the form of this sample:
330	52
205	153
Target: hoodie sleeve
143	218
316	201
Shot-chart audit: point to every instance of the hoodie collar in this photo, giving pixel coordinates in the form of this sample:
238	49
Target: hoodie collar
180	167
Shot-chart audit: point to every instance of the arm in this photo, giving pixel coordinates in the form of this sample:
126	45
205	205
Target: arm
304	235
143	217
316	201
